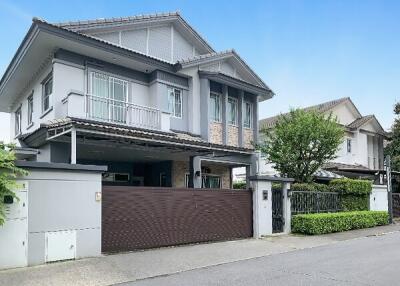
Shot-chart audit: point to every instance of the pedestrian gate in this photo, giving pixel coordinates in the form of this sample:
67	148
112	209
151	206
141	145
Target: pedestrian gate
277	211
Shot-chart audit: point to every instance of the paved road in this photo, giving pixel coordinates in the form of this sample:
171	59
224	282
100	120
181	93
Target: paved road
366	261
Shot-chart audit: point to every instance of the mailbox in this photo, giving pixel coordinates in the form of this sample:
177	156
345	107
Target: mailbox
8	200
265	195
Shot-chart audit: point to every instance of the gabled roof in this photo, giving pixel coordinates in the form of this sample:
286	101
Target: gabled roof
360	121
322	107
212	57
175	17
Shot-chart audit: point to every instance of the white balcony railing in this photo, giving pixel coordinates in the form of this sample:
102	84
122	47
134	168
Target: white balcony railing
117	111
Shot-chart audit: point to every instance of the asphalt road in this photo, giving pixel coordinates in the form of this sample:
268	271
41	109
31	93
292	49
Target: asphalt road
366	261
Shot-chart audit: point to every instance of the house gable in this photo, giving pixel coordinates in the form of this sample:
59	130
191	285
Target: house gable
164	36
346	112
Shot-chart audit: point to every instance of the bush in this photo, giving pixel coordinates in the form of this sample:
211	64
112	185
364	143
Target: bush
310	187
239	185
354	194
347	186
335	222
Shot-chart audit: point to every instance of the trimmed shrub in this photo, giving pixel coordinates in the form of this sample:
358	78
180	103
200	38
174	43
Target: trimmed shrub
310	187
354	194
239	185
335	222
347	186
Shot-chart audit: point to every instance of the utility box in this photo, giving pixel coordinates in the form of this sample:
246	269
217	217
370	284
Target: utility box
60	245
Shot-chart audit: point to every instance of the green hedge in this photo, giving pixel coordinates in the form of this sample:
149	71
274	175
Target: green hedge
347	186
335	222
239	185
310	187
354	194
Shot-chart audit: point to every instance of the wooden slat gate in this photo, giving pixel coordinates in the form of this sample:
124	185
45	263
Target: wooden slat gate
141	217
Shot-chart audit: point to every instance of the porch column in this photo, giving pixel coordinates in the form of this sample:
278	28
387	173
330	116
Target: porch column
252	169
194	172
240	117
73	145
224	115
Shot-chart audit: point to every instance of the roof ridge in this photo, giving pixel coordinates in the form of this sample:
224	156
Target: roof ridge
116	19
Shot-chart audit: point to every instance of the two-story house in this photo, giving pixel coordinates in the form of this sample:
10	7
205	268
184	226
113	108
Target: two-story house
145	95
362	147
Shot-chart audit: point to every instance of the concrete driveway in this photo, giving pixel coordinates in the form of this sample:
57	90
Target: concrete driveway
369	261
129	267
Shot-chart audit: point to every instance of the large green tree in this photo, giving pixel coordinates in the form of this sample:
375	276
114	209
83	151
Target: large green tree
8	173
393	147
301	142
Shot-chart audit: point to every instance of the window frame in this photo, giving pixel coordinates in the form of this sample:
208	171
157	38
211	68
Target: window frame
235	123
219	96
173	90
348	145
30	109
187	175
18	118
250	126
48	78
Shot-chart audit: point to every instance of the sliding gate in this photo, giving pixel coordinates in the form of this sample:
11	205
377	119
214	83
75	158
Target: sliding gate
143	217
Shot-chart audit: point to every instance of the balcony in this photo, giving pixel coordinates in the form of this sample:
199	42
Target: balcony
121	112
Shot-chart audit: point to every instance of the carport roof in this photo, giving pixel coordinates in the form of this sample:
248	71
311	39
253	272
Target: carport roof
105	129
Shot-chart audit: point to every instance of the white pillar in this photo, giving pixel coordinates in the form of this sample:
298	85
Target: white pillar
262	208
73	145
197	172
287	214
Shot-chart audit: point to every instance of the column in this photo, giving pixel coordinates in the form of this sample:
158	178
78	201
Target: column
240	117
287	214
204	108
224	114
262	208
195	172
73	145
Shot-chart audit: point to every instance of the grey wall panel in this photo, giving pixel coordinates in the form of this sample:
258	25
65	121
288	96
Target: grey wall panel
88	243
135	39
160	43
62	205
182	124
182	48
36	248
112	37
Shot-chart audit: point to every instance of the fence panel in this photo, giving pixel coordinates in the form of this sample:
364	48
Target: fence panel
396	204
303	202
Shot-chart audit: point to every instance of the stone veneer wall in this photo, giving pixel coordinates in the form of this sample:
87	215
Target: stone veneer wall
180	168
215	133
233	136
248	138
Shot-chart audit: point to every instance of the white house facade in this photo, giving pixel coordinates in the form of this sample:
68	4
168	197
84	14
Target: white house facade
362	147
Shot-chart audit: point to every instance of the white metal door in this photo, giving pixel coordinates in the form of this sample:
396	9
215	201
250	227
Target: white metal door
60	245
14	233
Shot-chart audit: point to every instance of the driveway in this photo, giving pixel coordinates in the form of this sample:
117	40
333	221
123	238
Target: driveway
134	266
366	261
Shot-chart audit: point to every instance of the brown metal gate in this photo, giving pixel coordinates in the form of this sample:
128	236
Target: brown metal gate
142	217
396	204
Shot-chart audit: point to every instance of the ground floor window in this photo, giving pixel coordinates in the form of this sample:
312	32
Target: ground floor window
207	181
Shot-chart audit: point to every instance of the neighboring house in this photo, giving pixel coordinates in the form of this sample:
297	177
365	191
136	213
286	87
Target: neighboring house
146	95
362	149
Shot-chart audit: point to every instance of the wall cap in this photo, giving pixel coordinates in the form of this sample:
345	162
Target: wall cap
60	166
271	179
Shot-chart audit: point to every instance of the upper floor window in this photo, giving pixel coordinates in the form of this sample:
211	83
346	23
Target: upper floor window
30	109
18	121
175	102
348	142
215	107
47	91
232	111
248	115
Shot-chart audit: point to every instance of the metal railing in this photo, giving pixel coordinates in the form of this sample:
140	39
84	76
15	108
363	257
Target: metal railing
117	111
303	202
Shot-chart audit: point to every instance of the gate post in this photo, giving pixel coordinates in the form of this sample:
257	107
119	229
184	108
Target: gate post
262	203
287	214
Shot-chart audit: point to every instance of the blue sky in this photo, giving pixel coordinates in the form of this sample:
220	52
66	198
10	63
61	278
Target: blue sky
307	51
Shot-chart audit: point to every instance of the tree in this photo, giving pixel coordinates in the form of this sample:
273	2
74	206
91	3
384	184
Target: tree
301	142
393	147
8	173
